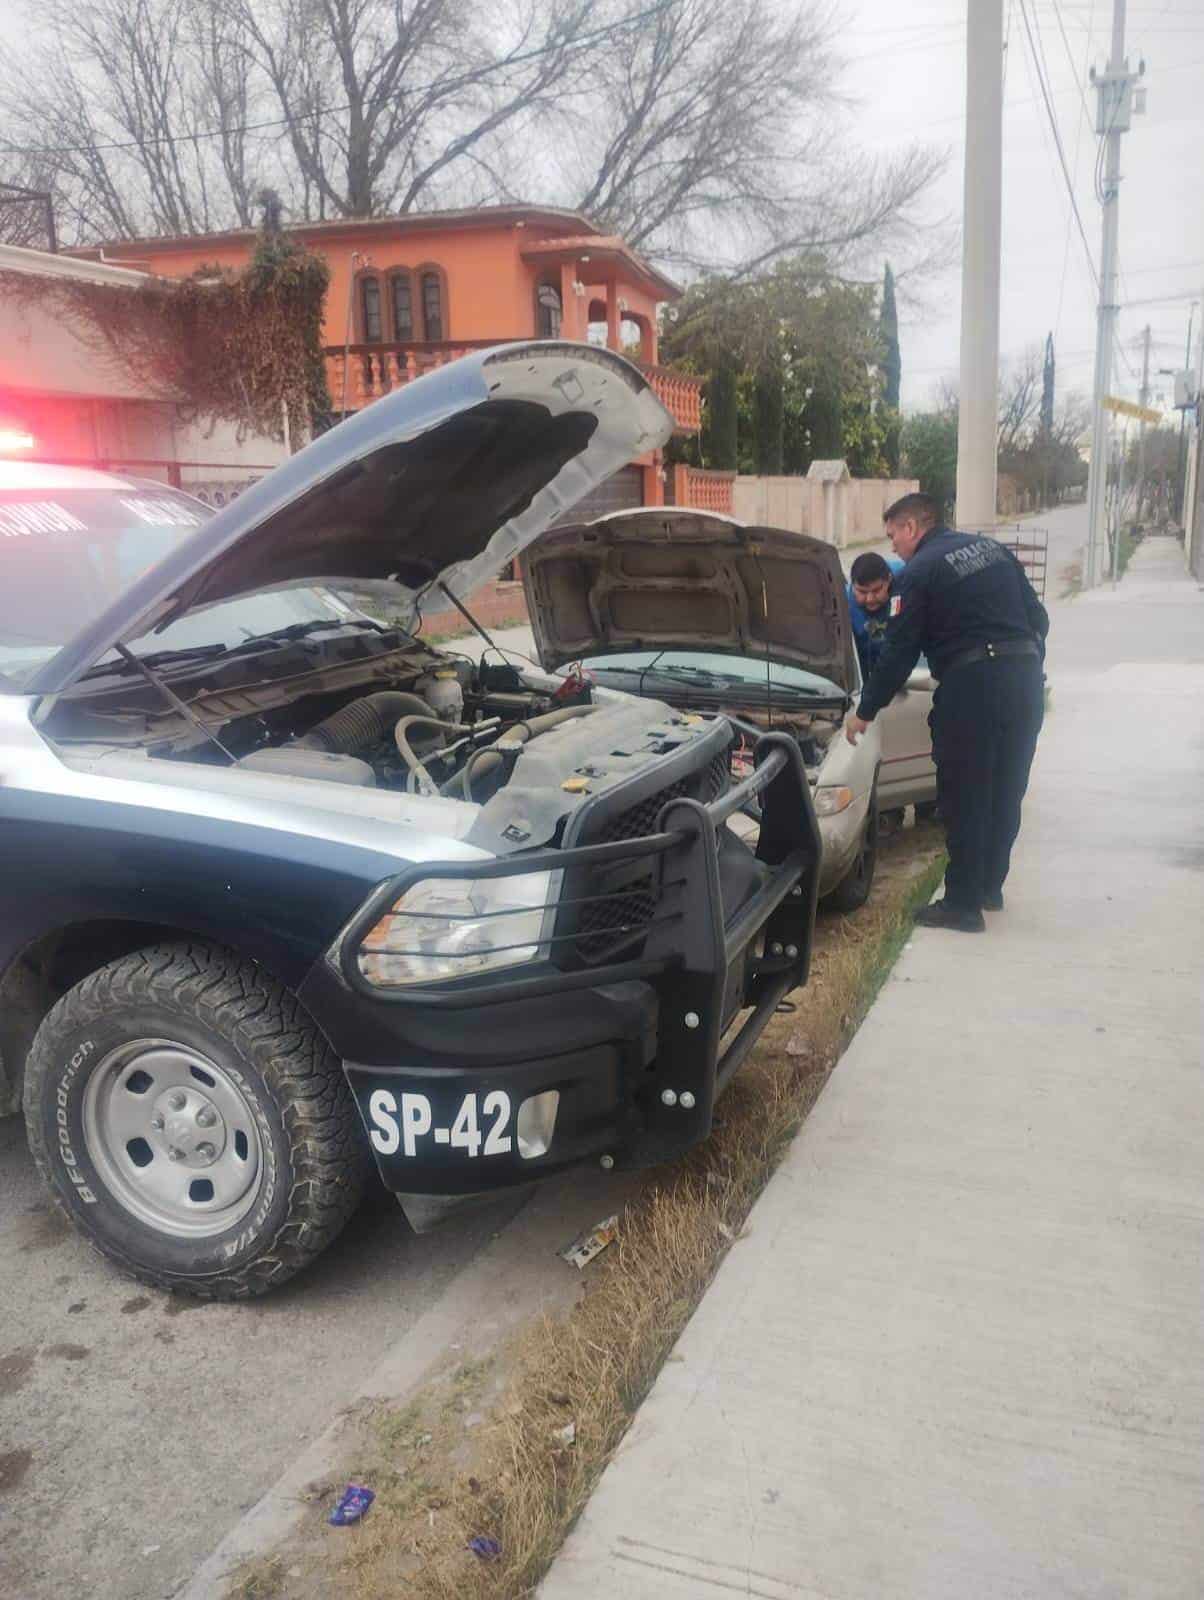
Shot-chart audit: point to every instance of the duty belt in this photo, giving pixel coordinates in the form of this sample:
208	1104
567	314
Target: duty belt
992	652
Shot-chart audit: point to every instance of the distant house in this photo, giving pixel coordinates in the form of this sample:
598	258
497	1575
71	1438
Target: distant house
410	293
63	399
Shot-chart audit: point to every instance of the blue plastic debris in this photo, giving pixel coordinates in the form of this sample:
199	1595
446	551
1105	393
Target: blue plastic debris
355	1502
488	1549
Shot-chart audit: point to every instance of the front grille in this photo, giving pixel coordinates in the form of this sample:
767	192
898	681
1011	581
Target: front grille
639	820
628	891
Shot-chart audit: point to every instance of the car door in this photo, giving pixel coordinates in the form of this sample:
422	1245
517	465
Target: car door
907	775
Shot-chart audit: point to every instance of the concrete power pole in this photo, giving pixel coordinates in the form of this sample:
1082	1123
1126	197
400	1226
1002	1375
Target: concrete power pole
1193	512
1114	111
1145	400
978	408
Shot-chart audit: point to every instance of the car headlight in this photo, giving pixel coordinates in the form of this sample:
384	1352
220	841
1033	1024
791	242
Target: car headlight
829	801
452	927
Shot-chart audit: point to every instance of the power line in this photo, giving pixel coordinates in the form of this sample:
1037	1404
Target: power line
1084	116
1164	299
1170	266
1053	123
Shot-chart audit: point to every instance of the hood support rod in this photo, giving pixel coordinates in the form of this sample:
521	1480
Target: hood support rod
466	614
170	695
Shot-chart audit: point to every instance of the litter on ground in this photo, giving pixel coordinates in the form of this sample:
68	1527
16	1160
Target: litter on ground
587	1245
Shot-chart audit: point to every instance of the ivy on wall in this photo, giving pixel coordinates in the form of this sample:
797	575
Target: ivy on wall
237	347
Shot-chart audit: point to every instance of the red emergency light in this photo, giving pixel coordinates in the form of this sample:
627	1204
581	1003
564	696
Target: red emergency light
15	440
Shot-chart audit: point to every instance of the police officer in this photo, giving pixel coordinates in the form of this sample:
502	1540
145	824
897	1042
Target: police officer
964	601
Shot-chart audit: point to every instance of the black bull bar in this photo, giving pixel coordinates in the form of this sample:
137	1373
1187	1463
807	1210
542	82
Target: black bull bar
704	966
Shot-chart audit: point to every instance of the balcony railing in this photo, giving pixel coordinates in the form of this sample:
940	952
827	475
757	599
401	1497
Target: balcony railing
365	372
702	489
679	393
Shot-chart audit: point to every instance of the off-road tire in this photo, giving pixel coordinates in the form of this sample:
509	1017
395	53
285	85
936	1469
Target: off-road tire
853	890
311	1147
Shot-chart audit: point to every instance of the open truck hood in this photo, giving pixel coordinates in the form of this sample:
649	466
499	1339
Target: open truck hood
663	578
441	483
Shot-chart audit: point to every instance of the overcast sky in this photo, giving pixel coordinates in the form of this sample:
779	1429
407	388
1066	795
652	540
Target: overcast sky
905	71
906	65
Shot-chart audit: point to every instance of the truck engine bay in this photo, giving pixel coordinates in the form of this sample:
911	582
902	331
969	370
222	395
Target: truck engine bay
378	716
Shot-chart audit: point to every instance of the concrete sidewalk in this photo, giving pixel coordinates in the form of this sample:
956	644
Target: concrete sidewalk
958	1354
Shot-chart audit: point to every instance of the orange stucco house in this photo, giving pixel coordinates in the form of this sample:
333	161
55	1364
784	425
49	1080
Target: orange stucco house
410	293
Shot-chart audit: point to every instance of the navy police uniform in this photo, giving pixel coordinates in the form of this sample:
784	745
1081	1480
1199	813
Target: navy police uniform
964	601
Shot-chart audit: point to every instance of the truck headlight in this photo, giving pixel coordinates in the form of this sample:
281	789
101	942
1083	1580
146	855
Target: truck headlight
832	800
451	927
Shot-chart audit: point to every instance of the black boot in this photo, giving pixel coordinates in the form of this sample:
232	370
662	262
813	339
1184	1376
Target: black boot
944	915
993	900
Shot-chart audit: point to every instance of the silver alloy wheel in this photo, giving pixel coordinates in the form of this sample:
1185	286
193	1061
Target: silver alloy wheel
172	1138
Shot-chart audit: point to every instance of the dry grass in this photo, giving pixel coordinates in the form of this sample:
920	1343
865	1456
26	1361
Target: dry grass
511	1477
260	1580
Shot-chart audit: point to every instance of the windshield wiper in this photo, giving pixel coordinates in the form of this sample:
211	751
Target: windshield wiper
300	630
157	658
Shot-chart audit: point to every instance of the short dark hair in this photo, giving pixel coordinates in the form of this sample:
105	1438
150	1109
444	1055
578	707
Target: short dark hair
920	506
869	568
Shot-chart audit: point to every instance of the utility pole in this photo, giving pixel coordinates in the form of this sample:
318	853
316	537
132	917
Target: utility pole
1145	400
1118	515
1195	463
1182	457
1114	111
978	408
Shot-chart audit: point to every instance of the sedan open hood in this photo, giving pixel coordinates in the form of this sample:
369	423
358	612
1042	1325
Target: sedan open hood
665	578
435	488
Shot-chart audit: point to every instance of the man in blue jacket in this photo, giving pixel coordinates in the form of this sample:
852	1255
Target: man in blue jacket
869	605
965	602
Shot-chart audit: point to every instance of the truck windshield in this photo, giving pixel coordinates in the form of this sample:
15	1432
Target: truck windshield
67	554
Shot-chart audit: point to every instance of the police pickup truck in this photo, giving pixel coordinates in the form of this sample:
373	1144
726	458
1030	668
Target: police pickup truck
286	892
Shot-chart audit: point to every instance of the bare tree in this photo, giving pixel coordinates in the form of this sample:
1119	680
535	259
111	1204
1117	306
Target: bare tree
137	108
169	115
27	205
1020	389
1019	399
708	134
379	100
714	140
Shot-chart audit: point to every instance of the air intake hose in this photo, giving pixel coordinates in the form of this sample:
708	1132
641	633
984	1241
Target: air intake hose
364	722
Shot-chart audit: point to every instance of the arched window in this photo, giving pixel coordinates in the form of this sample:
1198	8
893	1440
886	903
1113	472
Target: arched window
372	322
401	290
549	311
434	303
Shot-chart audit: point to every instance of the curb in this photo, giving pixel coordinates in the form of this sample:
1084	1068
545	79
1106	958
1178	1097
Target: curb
511	1277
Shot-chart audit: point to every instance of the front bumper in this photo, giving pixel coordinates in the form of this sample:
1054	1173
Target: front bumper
635	1050
842	836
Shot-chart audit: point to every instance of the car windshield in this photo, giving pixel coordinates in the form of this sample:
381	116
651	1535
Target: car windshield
707	669
67	554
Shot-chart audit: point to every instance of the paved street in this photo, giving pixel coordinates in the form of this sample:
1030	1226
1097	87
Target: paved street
958	1352
135	1426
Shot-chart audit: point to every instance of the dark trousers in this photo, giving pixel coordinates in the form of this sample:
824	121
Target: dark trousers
985	720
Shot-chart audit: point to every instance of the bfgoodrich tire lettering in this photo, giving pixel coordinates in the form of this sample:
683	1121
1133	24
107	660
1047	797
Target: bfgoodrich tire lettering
273	1067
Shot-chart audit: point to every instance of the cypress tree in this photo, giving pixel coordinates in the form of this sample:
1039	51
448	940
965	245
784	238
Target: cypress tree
892	369
719	434
768	421
892	365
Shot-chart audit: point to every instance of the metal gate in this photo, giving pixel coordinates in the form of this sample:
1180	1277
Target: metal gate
1030	546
